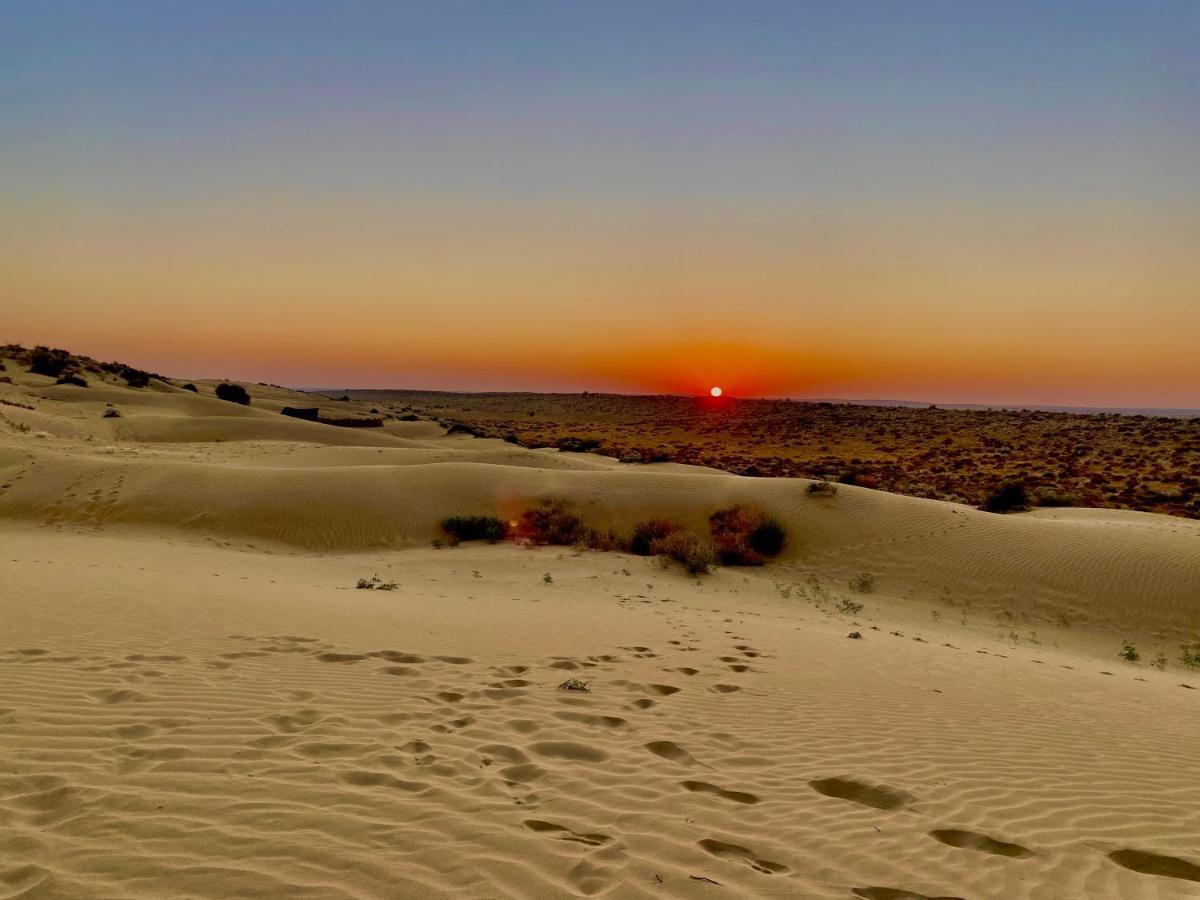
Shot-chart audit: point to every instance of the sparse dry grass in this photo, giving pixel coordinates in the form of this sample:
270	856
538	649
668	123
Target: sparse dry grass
1095	460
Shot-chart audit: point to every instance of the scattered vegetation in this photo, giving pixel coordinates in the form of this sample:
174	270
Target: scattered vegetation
112	414
577	444
646	533
375	583
550	522
575	684
823	488
191	387
16	426
605	541
1057	499
745	536
72	378
694	553
1011	496
234	393
352	422
474	528
308	413
863	582
133	377
1189	655
1105	459
1129	652
849	607
855	635
547	578
50	361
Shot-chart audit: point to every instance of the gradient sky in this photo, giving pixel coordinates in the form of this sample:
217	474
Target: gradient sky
944	201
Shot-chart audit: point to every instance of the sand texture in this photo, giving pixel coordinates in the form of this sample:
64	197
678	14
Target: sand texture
196	701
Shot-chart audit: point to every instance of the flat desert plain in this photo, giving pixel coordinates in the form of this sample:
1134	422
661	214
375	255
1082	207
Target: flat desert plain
197	701
1149	463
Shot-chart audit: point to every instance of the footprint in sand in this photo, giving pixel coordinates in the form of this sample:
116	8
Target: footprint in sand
363	778
876	796
1155	864
971	840
672	751
340	657
569	750
563	833
290	723
594	721
397	656
722	850
703	787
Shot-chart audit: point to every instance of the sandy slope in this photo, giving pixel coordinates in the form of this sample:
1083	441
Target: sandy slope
195	702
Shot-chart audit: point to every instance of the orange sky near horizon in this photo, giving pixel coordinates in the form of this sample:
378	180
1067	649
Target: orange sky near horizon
953	205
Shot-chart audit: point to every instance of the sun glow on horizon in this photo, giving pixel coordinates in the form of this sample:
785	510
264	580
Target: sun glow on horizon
715	391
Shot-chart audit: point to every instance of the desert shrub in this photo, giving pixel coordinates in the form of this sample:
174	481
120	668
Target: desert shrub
475	528
863	582
308	413
1189	655
1055	499
1129	652
646	533
608	541
577	444
192	388
745	536
352	422
575	684
410	417
694	553
72	378
234	393
137	378
550	522
849	607
460	428
823	488
375	583
112	414
49	361
1009	497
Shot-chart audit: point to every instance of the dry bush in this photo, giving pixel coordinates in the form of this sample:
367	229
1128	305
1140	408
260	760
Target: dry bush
646	533
694	553
475	528
608	541
550	522
745	536
234	393
1009	497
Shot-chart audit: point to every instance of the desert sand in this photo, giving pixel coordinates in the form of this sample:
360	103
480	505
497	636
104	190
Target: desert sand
196	701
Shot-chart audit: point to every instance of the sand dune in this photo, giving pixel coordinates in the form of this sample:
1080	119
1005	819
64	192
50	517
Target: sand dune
196	702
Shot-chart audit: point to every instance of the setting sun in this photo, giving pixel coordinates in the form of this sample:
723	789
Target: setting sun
716	391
